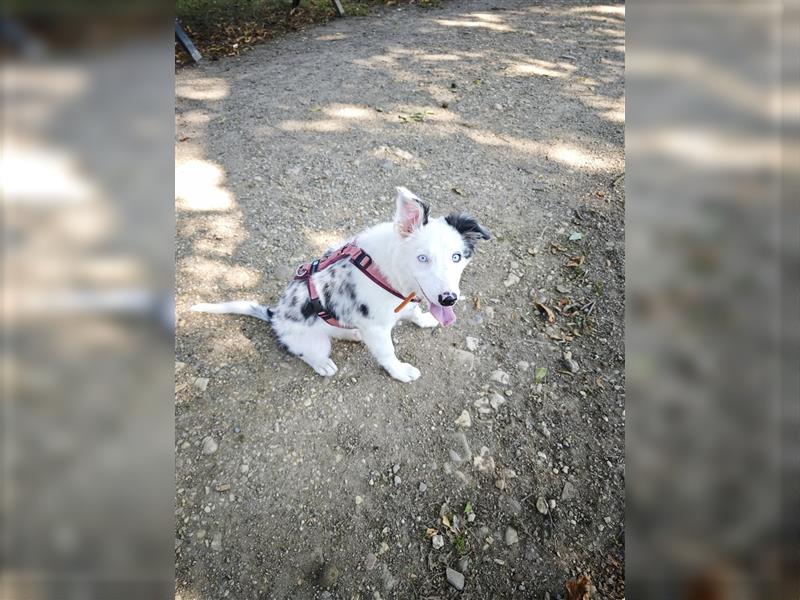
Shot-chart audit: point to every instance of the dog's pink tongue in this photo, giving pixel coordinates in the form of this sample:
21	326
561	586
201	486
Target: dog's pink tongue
443	314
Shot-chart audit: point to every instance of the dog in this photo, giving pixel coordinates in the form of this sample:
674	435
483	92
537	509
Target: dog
360	290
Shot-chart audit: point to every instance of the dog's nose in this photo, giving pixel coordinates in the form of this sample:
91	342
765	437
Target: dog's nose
447	299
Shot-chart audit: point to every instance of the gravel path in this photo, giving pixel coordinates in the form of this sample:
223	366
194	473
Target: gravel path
294	486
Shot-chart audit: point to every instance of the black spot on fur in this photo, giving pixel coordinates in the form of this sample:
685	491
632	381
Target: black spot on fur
351	290
308	310
468	227
364	310
294	301
326	293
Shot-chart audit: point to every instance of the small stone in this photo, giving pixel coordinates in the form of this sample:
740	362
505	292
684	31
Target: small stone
499	376
484	463
512	279
455	457
455	579
498	106
551	503
523	365
244	468
200	534
471	517
573	366
464	359
216	542
201	383
568	492
463	564
370	561
562	288
397	480
472	344
541	505
500	484
437	541
496	400
209	445
223	487
464	420
179	365
359	500
489	312
384	548
509	473
423	486
482	404
511	537
395	468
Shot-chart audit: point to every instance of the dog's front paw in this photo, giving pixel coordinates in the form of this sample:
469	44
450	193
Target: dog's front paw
427	320
405	372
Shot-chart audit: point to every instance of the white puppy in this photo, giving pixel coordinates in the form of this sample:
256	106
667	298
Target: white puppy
360	290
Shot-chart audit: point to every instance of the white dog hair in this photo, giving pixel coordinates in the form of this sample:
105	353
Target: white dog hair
413	253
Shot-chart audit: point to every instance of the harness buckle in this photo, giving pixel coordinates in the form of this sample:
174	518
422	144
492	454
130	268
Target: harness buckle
359	260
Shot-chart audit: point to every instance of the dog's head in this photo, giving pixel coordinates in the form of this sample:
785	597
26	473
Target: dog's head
435	251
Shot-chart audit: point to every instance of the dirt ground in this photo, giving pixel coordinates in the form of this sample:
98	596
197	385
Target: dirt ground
294	486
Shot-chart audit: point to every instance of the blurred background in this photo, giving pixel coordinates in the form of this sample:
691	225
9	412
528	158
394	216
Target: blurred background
86	166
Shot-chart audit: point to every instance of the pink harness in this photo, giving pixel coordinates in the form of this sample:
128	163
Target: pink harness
363	263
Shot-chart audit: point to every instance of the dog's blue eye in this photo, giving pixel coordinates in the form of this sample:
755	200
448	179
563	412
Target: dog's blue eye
456	257
422	258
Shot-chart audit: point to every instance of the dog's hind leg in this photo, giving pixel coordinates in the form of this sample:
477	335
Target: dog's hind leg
314	348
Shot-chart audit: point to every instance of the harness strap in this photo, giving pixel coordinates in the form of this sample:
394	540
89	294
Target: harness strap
362	261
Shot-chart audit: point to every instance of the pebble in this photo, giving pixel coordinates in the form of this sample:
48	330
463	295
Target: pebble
359	500
496	400
244	468
384	548
463	564
562	288
464	419
523	365
455	457
489	312
551	503
484	463
541	505
511	537
482	404
471	517
472	344
500	484
500	377
209	445
437	541
509	473
464	359
569	491
423	486
370	561
512	279
216	542
395	468
201	383
573	366
455	579
397	480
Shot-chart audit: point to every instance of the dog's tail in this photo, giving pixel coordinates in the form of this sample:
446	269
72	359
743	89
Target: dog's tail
238	307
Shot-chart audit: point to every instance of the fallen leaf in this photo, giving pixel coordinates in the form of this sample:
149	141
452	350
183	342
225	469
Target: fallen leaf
468	508
430	532
476	302
539	374
575	262
551	317
601	194
575	236
446	522
556	248
579	589
223	487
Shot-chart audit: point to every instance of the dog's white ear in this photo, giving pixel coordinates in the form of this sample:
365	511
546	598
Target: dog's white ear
411	212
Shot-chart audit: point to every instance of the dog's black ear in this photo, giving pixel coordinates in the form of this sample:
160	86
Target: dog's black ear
411	212
468	227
